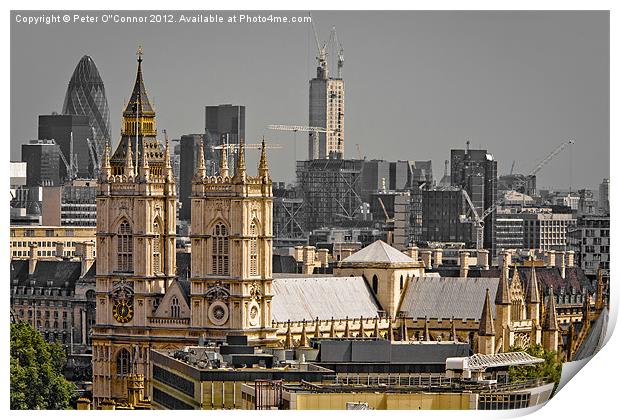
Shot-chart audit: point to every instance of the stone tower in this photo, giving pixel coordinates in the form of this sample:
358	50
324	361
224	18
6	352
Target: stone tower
231	239
136	260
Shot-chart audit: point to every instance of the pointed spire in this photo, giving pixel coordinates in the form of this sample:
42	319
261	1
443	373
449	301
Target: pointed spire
224	162
486	320
332	329
263	168
376	333
201	171
317	328
288	341
361	333
106	167
551	320
240	173
139	102
167	151
347	333
129	161
303	340
502	297
453	335
427	333
143	171
531	294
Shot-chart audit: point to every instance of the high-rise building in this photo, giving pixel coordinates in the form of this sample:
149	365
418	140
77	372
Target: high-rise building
326	111
223	124
476	172
603	196
71	204
441	212
71	133
42	163
589	238
191	145
86	96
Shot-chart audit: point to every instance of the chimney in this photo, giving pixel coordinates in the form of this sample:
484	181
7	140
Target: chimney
559	261
308	259
550	258
86	252
32	260
570	258
298	253
438	256
412	252
60	250
464	263
483	259
323	257
425	255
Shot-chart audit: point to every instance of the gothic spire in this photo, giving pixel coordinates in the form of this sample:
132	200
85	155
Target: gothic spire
263	168
317	328
288	340
224	162
361	331
106	168
332	329
347	333
303	340
240	173
129	161
551	320
502	297
531	294
144	166
201	171
486	320
138	102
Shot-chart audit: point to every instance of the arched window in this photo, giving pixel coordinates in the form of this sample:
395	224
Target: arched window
156	249
253	250
375	284
125	248
123	362
219	262
175	308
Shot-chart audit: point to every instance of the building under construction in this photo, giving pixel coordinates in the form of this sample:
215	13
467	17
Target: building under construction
330	189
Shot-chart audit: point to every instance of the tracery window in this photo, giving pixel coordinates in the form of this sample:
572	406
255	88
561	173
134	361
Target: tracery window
253	250
123	362
219	257
175	308
125	248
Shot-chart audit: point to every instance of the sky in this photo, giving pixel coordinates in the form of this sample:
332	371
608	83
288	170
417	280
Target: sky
417	83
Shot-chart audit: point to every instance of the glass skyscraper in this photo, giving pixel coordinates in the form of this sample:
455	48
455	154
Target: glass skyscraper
86	96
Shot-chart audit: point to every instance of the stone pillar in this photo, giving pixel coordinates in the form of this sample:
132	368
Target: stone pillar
438	256
425	255
464	263
483	258
570	258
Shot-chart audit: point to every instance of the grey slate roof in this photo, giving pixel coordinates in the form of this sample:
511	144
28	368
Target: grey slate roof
55	271
444	297
378	252
299	298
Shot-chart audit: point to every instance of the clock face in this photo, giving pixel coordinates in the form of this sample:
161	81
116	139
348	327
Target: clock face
122	310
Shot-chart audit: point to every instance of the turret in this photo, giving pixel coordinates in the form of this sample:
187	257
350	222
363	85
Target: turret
224	163
240	171
532	297
263	167
486	330
201	171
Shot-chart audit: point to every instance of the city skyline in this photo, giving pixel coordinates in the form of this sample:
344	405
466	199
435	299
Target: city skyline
537	88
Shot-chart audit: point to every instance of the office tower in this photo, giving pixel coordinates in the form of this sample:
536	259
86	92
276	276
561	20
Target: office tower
476	172
42	163
589	238
603	196
191	145
326	111
86	96
64	130
223	124
441	211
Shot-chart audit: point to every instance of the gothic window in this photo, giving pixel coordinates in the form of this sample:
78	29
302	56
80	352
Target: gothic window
219	262
375	284
156	249
175	308
253	250
125	248
123	362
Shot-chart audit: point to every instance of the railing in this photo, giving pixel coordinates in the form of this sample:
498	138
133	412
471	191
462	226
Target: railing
169	321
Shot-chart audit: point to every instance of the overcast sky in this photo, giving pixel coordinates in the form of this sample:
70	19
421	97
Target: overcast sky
417	83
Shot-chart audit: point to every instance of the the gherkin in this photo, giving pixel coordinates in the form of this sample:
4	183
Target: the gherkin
86	96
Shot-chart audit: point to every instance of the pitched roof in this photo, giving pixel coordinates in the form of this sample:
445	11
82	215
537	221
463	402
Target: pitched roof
446	297
378	252
61	273
299	298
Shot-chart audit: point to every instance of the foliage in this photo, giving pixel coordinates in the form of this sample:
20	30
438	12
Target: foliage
551	368
36	371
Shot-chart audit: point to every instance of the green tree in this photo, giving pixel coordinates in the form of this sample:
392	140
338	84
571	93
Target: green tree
36	372
551	368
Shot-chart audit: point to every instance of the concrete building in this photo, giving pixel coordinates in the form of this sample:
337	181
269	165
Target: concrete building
67	129
72	204
589	239
542	229
476	172
509	232
49	240
326	110
603	196
441	216
43	163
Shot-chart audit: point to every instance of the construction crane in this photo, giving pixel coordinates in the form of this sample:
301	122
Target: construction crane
93	155
235	147
70	164
478	220
296	128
